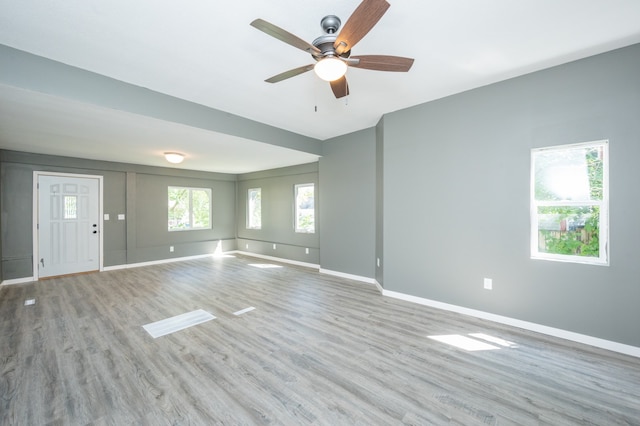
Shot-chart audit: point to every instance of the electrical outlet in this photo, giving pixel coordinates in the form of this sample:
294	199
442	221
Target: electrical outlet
274	246
488	284
246	246
306	251
378	262
170	249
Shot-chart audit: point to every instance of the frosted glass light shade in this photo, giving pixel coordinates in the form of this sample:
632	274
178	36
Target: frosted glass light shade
330	68
174	157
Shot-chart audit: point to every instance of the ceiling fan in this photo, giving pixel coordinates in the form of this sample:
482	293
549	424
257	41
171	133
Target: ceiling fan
332	51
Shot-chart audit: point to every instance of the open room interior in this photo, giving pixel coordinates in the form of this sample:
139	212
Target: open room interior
477	193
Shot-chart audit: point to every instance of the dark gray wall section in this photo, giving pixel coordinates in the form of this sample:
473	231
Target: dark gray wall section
31	72
139	192
347	213
277	189
456	197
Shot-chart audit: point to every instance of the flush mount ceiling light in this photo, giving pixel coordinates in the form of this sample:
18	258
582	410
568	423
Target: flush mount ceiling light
330	68
174	157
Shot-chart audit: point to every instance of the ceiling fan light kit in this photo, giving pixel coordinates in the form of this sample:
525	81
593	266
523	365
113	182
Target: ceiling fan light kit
332	51
330	68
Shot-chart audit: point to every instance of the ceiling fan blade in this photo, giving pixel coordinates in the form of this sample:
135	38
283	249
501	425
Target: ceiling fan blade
283	35
291	73
382	63
340	87
366	15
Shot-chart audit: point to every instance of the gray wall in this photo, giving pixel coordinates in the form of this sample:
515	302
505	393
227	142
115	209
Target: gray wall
277	214
139	192
347	177
456	197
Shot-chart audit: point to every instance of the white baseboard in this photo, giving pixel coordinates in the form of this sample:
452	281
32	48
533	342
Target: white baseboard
17	281
347	276
550	331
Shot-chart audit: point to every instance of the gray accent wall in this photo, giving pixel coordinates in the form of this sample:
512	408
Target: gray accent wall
138	192
347	211
456	197
277	191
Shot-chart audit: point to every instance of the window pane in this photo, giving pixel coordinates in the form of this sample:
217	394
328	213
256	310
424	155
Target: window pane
254	208
179	208
569	230
70	207
305	210
569	174
201	208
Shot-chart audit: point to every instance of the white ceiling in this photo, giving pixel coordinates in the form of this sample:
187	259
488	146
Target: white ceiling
206	52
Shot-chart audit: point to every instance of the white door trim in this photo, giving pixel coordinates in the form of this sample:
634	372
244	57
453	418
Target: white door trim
36	242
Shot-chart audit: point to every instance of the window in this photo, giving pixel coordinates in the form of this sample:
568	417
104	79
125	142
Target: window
570	203
305	211
70	207
189	208
254	208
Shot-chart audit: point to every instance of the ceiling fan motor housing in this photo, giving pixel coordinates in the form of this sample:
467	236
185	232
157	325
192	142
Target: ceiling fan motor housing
330	25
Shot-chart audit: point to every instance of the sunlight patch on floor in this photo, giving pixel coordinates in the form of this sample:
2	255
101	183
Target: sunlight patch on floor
469	344
265	265
496	340
243	311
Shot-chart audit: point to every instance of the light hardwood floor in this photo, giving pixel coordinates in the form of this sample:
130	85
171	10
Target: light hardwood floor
316	350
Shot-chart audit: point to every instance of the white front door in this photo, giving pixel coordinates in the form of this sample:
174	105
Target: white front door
68	225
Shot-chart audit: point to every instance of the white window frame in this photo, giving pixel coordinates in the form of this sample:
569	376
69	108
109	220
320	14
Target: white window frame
603	225
297	227
250	209
190	208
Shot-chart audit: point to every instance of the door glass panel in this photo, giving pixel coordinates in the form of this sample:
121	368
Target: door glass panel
70	207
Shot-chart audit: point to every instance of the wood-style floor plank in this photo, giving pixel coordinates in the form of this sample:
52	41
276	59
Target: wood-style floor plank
316	349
